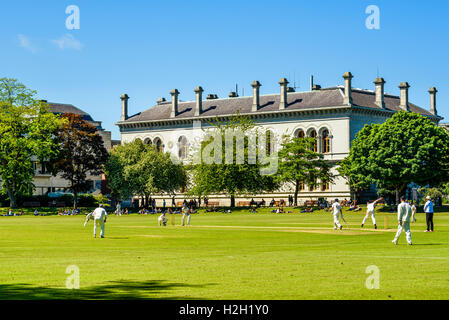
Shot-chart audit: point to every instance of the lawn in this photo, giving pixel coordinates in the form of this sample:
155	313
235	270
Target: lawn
222	256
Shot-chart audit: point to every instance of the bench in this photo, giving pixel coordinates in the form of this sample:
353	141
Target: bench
213	203
179	203
29	204
243	203
56	204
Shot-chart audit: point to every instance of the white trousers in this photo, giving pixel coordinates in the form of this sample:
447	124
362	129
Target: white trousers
373	217
188	219
405	227
100	223
336	221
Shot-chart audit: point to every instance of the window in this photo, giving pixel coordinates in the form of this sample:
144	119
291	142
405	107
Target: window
299	133
182	148
313	134
158	144
301	186
325	141
270	142
325	186
147	141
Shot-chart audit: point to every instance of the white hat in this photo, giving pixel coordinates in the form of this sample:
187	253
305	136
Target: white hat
428	198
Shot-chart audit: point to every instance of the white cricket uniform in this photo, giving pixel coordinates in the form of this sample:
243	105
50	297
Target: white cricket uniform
336	210
162	219
404	214
370	211
186	213
99	216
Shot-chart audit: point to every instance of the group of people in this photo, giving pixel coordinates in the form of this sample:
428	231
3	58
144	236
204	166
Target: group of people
65	212
405	215
186	214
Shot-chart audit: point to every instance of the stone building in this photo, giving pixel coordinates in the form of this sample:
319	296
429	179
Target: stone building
333	116
44	181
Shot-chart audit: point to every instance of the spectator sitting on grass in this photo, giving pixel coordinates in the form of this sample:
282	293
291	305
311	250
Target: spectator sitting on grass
36	213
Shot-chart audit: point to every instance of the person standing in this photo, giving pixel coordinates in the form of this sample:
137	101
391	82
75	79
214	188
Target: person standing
404	215
337	211
371	207
185	214
428	209
100	217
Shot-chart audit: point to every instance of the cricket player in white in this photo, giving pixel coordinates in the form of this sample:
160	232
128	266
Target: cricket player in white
185	213
404	215
371	211
100	217
337	211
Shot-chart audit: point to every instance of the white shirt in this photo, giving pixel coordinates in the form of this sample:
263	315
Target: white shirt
404	212
336	207
370	207
100	213
161	217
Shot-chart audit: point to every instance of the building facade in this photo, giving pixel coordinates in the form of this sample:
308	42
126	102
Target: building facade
44	181
333	116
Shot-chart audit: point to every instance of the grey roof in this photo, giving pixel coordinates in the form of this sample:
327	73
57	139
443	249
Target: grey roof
297	101
61	108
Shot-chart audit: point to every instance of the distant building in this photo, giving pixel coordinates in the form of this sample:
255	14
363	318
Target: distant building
333	116
45	182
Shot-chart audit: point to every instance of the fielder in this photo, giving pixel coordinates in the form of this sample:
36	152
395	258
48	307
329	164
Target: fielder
371	211
337	211
404	214
100	217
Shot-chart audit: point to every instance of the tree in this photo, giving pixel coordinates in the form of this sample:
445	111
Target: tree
238	137
81	152
299	164
407	148
139	169
26	135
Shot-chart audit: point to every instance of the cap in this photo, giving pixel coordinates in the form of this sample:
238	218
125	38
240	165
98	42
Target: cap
428	198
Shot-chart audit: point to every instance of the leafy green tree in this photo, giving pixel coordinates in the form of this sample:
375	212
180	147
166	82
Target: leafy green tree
81	152
139	169
407	148
245	177
299	164
26	135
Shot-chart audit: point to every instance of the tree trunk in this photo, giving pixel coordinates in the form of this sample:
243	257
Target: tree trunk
397	196
232	201
296	193
12	199
75	200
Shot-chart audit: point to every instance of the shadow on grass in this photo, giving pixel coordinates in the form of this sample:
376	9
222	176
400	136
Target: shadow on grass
115	290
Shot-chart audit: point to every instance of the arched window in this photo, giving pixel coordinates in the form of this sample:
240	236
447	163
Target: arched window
325	141
325	186
270	142
158	144
299	133
313	134
182	147
147	141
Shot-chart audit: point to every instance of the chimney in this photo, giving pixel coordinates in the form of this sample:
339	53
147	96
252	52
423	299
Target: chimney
404	96
174	103
212	96
316	87
256	97
199	101
124	97
348	89
380	100
433	101
161	100
283	101
290	89
233	94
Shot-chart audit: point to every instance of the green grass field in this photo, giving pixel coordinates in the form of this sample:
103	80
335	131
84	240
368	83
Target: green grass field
222	256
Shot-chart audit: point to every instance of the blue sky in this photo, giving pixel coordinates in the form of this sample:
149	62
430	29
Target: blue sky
147	48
